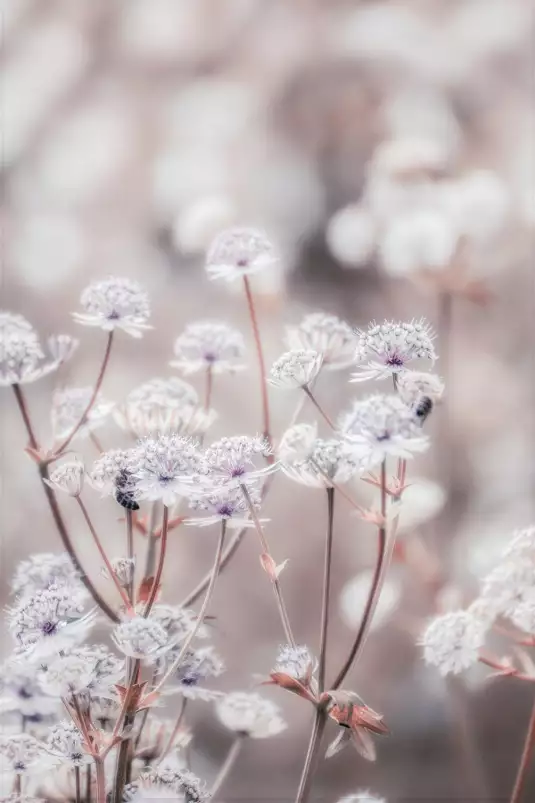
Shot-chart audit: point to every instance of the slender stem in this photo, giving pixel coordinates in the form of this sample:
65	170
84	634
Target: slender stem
525	761
318	407
226	767
377	582
96	442
56	512
103	555
17	784
200	618
312	756
326	590
260	356
174	732
98	384
208	387
101	781
88	784
121	769
130	552
158	576
77	784
274	580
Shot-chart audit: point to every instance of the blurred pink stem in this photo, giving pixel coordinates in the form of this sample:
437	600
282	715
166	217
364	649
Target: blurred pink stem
525	761
261	361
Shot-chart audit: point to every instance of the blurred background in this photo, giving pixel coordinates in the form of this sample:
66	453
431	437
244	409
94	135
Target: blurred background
389	150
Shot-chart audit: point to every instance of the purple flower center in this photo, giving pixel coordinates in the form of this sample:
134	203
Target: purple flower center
225	511
237	471
209	356
395	361
48	628
242	262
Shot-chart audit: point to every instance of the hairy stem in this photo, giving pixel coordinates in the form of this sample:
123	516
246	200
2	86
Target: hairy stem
163	549
274	580
261	361
228	764
525	761
326	590
375	591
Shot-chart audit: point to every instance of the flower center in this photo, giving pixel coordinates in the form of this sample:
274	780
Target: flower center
395	361
225	511
48	628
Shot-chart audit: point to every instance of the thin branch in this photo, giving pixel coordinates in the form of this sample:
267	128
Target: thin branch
228	764
525	761
326	590
130	552
174	732
318	407
158	576
312	756
261	361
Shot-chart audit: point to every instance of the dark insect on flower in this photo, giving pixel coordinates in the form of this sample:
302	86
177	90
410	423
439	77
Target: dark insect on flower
423	408
124	494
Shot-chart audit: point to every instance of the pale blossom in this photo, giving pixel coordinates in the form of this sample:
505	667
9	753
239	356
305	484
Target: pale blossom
209	345
115	303
22	359
69	407
386	349
452	642
295	369
68	477
326	334
240	252
250	714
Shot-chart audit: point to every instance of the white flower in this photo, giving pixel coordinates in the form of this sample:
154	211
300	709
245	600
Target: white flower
50	621
423	239
522	543
478	203
124	570
115	303
68	407
250	714
422	500
21	356
403	156
20	754
197	666
112	467
224	503
356	592
65	745
419	389
45	569
239	252
231	461
141	638
178	622
296	662
327	335
297	443
295	369
83	670
164	465
452	642
382	425
523	616
391	345
166	782
362	796
20	691
350	235
209	345
68	477
329	462
510	584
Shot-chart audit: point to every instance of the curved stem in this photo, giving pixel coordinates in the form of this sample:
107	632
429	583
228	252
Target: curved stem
102	552
326	590
274	580
98	384
318	407
158	576
261	361
175	730
200	618
529	746
312	756
226	767
375	590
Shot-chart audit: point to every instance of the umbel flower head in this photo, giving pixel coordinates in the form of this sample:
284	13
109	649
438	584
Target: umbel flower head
50	621
68	407
45	569
330	462
452	642
295	662
65	745
137	637
297	443
22	359
164	465
326	334
417	389
86	670
110	467
224	503
239	252
115	303
21	692
198	666
382	425
389	347
522	543
209	345
178	622
233	461
68	477
295	369
250	714
510	584
20	754
166	782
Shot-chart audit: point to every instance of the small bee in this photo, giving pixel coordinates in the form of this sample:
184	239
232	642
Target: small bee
423	408
123	493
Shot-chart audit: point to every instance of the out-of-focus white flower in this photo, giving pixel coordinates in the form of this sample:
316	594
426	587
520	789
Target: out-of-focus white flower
212	345
240	252
382	425
422	500
297	443
124	570
197	666
20	691
88	670
42	570
327	335
452	642
22	359
329	462
65	744
233	461
199	222
224	503
20	754
68	477
477	204
405	156
164	465
523	616
178	622
351	235
166	782
109	467
115	303
392	345
510	584
522	543
295	369
296	662
50	621
423	239
416	386
363	796
68	407
355	594
138	637
250	714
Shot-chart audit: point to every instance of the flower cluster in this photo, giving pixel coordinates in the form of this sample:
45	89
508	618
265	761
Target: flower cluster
389	347
209	346
22	359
